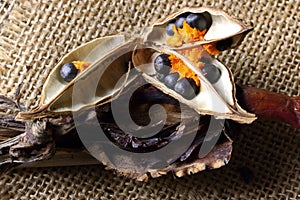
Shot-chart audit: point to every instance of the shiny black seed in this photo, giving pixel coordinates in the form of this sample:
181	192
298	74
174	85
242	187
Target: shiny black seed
179	22
68	72
211	72
171	80
160	77
224	44
198	21
162	64
205	60
169	28
180	19
208	20
187	88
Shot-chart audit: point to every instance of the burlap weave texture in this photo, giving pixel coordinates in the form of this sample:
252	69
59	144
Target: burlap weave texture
34	35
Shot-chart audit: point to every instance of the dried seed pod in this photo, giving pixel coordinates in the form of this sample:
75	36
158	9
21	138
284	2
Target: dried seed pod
217	99
105	56
190	27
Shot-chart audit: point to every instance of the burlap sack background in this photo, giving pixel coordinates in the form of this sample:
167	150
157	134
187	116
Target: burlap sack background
35	34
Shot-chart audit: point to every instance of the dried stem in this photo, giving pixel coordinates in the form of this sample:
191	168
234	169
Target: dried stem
270	105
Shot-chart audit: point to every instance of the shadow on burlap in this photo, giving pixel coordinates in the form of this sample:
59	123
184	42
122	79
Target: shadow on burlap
34	35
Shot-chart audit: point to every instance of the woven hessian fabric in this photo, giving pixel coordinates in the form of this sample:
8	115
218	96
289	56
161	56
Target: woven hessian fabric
34	35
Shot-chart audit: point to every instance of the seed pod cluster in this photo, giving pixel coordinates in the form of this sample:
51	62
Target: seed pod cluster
187	72
184	43
174	56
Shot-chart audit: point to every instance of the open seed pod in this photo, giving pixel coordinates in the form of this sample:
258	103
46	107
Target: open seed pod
105	63
205	85
210	27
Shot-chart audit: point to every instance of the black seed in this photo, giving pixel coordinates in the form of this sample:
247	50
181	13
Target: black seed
160	77
205	60
211	72
208	20
162	64
187	88
198	21
68	72
224	44
171	80
169	28
179	21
